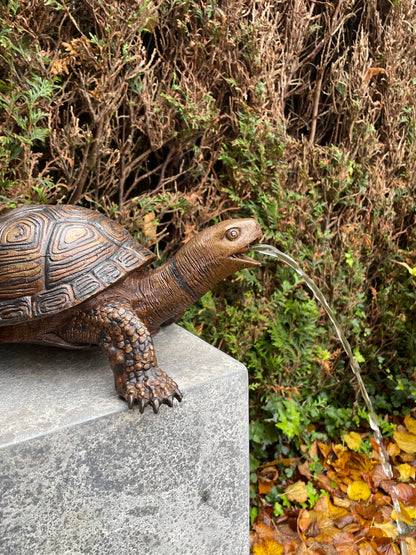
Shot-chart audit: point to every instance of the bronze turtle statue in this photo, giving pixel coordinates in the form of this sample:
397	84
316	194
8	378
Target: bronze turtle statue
71	277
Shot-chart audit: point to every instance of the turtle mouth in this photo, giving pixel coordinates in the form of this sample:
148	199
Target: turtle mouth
242	257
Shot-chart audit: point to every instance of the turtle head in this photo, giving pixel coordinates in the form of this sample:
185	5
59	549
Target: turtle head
217	252
228	242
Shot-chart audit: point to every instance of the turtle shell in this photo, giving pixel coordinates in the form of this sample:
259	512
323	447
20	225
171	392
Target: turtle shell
55	257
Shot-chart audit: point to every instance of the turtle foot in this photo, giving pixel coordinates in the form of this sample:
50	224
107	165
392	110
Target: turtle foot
150	387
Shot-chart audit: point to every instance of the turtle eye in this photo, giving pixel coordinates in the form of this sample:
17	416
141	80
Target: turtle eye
232	234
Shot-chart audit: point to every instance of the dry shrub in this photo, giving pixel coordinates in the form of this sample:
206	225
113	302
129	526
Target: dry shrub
167	114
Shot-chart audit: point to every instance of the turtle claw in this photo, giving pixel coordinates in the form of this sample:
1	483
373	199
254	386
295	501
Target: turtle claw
155	403
168	401
142	404
130	400
177	394
151	387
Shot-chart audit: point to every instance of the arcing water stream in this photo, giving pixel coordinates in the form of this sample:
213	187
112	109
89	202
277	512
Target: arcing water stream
373	419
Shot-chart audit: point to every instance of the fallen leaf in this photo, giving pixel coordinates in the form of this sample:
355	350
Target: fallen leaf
379	475
342	502
266	479
291	547
264	533
406	493
297	492
265	486
324	482
305	471
393	449
365	511
325	506
313	451
343	521
405	514
389	529
380	500
325	449
358	490
367	549
345	544
316	525
411	546
406	471
270	547
353	440
406	441
410	423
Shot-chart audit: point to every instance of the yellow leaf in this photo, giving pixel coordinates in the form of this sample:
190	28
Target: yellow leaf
297	492
353	440
410	423
388	528
406	441
358	490
404	515
406	471
411	546
269	547
411	511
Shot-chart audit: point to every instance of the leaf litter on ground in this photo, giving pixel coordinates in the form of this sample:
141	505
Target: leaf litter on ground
352	510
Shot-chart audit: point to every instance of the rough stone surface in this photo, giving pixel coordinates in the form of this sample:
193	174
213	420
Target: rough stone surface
82	474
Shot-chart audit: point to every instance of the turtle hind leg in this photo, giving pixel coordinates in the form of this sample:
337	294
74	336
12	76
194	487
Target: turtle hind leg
123	336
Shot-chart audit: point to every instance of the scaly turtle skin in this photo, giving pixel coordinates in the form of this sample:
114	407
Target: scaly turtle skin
73	278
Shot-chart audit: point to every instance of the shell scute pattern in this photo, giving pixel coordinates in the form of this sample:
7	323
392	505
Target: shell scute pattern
54	257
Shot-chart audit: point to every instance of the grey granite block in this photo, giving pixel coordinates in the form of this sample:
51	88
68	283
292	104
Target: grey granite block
82	474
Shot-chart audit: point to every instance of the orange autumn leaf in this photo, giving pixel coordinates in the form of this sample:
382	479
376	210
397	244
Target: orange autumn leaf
352	463
325	449
265	486
325	506
381	500
264	533
367	549
372	72
324	482
269	547
358	490
291	548
366	511
316	525
393	449
345	544
388	528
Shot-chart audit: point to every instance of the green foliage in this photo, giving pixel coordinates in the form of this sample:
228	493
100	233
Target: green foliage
23	111
171	114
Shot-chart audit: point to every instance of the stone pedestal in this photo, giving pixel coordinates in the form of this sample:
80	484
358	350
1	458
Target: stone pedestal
80	473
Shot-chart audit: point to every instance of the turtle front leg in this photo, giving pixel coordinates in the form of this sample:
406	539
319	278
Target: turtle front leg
123	336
